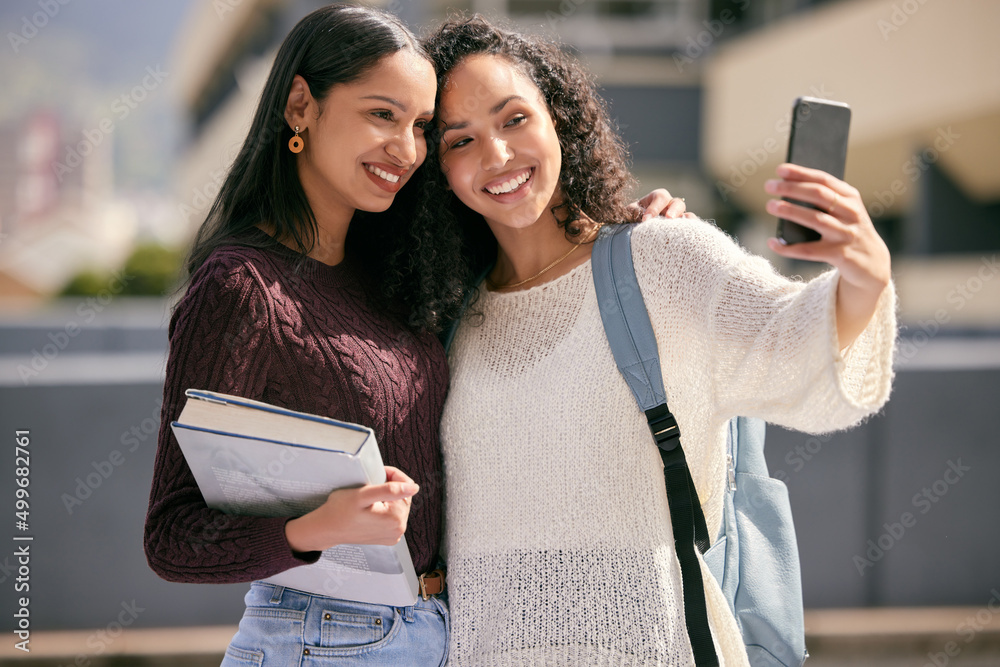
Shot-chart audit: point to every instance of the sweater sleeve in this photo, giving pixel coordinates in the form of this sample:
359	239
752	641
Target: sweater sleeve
767	345
220	340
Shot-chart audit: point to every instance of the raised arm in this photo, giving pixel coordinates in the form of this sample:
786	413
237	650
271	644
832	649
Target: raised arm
743	340
849	241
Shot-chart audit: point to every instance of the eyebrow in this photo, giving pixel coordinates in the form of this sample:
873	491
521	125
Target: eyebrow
499	107
495	110
396	103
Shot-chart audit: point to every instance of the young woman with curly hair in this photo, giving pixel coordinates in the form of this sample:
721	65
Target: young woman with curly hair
558	538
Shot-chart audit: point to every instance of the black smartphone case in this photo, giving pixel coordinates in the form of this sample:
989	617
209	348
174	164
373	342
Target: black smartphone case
818	140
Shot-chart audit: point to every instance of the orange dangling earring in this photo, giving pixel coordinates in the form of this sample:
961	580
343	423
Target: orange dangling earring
295	144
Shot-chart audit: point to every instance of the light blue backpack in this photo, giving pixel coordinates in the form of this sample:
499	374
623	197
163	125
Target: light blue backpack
754	558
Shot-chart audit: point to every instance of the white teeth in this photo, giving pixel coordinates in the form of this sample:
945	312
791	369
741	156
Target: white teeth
510	185
392	178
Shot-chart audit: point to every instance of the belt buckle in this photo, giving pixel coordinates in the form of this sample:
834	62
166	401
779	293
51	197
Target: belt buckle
437	581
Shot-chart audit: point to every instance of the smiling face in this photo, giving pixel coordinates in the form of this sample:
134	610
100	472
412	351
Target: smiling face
499	148
369	138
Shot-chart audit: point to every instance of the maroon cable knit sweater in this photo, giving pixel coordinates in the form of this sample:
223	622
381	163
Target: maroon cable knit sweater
314	342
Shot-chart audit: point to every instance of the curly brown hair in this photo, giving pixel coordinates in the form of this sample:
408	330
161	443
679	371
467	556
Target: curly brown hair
595	179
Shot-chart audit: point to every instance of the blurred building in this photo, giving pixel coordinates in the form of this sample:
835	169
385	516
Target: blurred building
923	79
58	213
702	91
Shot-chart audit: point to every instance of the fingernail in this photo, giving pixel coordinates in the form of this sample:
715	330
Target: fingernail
646	216
784	170
771	186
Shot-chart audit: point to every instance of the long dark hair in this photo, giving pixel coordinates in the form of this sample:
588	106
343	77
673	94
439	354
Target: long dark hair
333	45
595	178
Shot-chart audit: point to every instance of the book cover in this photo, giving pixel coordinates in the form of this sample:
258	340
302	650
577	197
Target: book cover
254	459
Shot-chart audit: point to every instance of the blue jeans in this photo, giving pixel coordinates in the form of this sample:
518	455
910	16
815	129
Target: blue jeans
283	627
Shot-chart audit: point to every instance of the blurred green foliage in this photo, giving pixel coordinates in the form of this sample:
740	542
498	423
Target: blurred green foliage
151	270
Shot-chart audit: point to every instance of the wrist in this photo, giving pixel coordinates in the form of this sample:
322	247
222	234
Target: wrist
300	535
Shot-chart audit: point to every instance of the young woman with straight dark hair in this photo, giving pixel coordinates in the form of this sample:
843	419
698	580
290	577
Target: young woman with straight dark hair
310	290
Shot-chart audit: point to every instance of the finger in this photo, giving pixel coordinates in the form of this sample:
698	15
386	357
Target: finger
387	493
675	208
658	198
393	474
796	172
810	251
819	195
655	203
829	227
689	214
636	212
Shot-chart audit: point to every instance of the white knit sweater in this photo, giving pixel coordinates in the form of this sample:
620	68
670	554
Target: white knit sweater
558	538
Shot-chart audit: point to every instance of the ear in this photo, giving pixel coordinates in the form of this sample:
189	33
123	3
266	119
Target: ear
300	100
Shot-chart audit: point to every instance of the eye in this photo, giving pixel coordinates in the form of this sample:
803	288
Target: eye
422	124
516	120
384	114
460	142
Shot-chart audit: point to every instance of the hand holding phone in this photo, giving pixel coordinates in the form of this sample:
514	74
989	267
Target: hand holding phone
818	140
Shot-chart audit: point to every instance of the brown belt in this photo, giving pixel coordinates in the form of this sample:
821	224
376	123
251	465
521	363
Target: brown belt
431	583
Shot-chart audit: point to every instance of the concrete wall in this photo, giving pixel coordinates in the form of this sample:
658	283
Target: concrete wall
88	569
918	481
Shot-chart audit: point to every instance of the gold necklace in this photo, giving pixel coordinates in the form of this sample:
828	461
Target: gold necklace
493	286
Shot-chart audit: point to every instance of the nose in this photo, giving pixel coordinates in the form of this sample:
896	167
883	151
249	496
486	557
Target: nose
402	148
497	154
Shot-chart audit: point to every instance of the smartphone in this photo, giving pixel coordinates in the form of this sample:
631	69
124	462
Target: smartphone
818	140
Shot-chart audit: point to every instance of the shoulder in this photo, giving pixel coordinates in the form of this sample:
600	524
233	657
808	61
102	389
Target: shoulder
233	277
239	267
684	252
690	238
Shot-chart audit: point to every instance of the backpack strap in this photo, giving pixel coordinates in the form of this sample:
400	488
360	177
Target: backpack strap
633	343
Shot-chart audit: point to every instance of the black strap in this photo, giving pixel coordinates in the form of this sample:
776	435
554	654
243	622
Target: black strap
690	531
633	343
